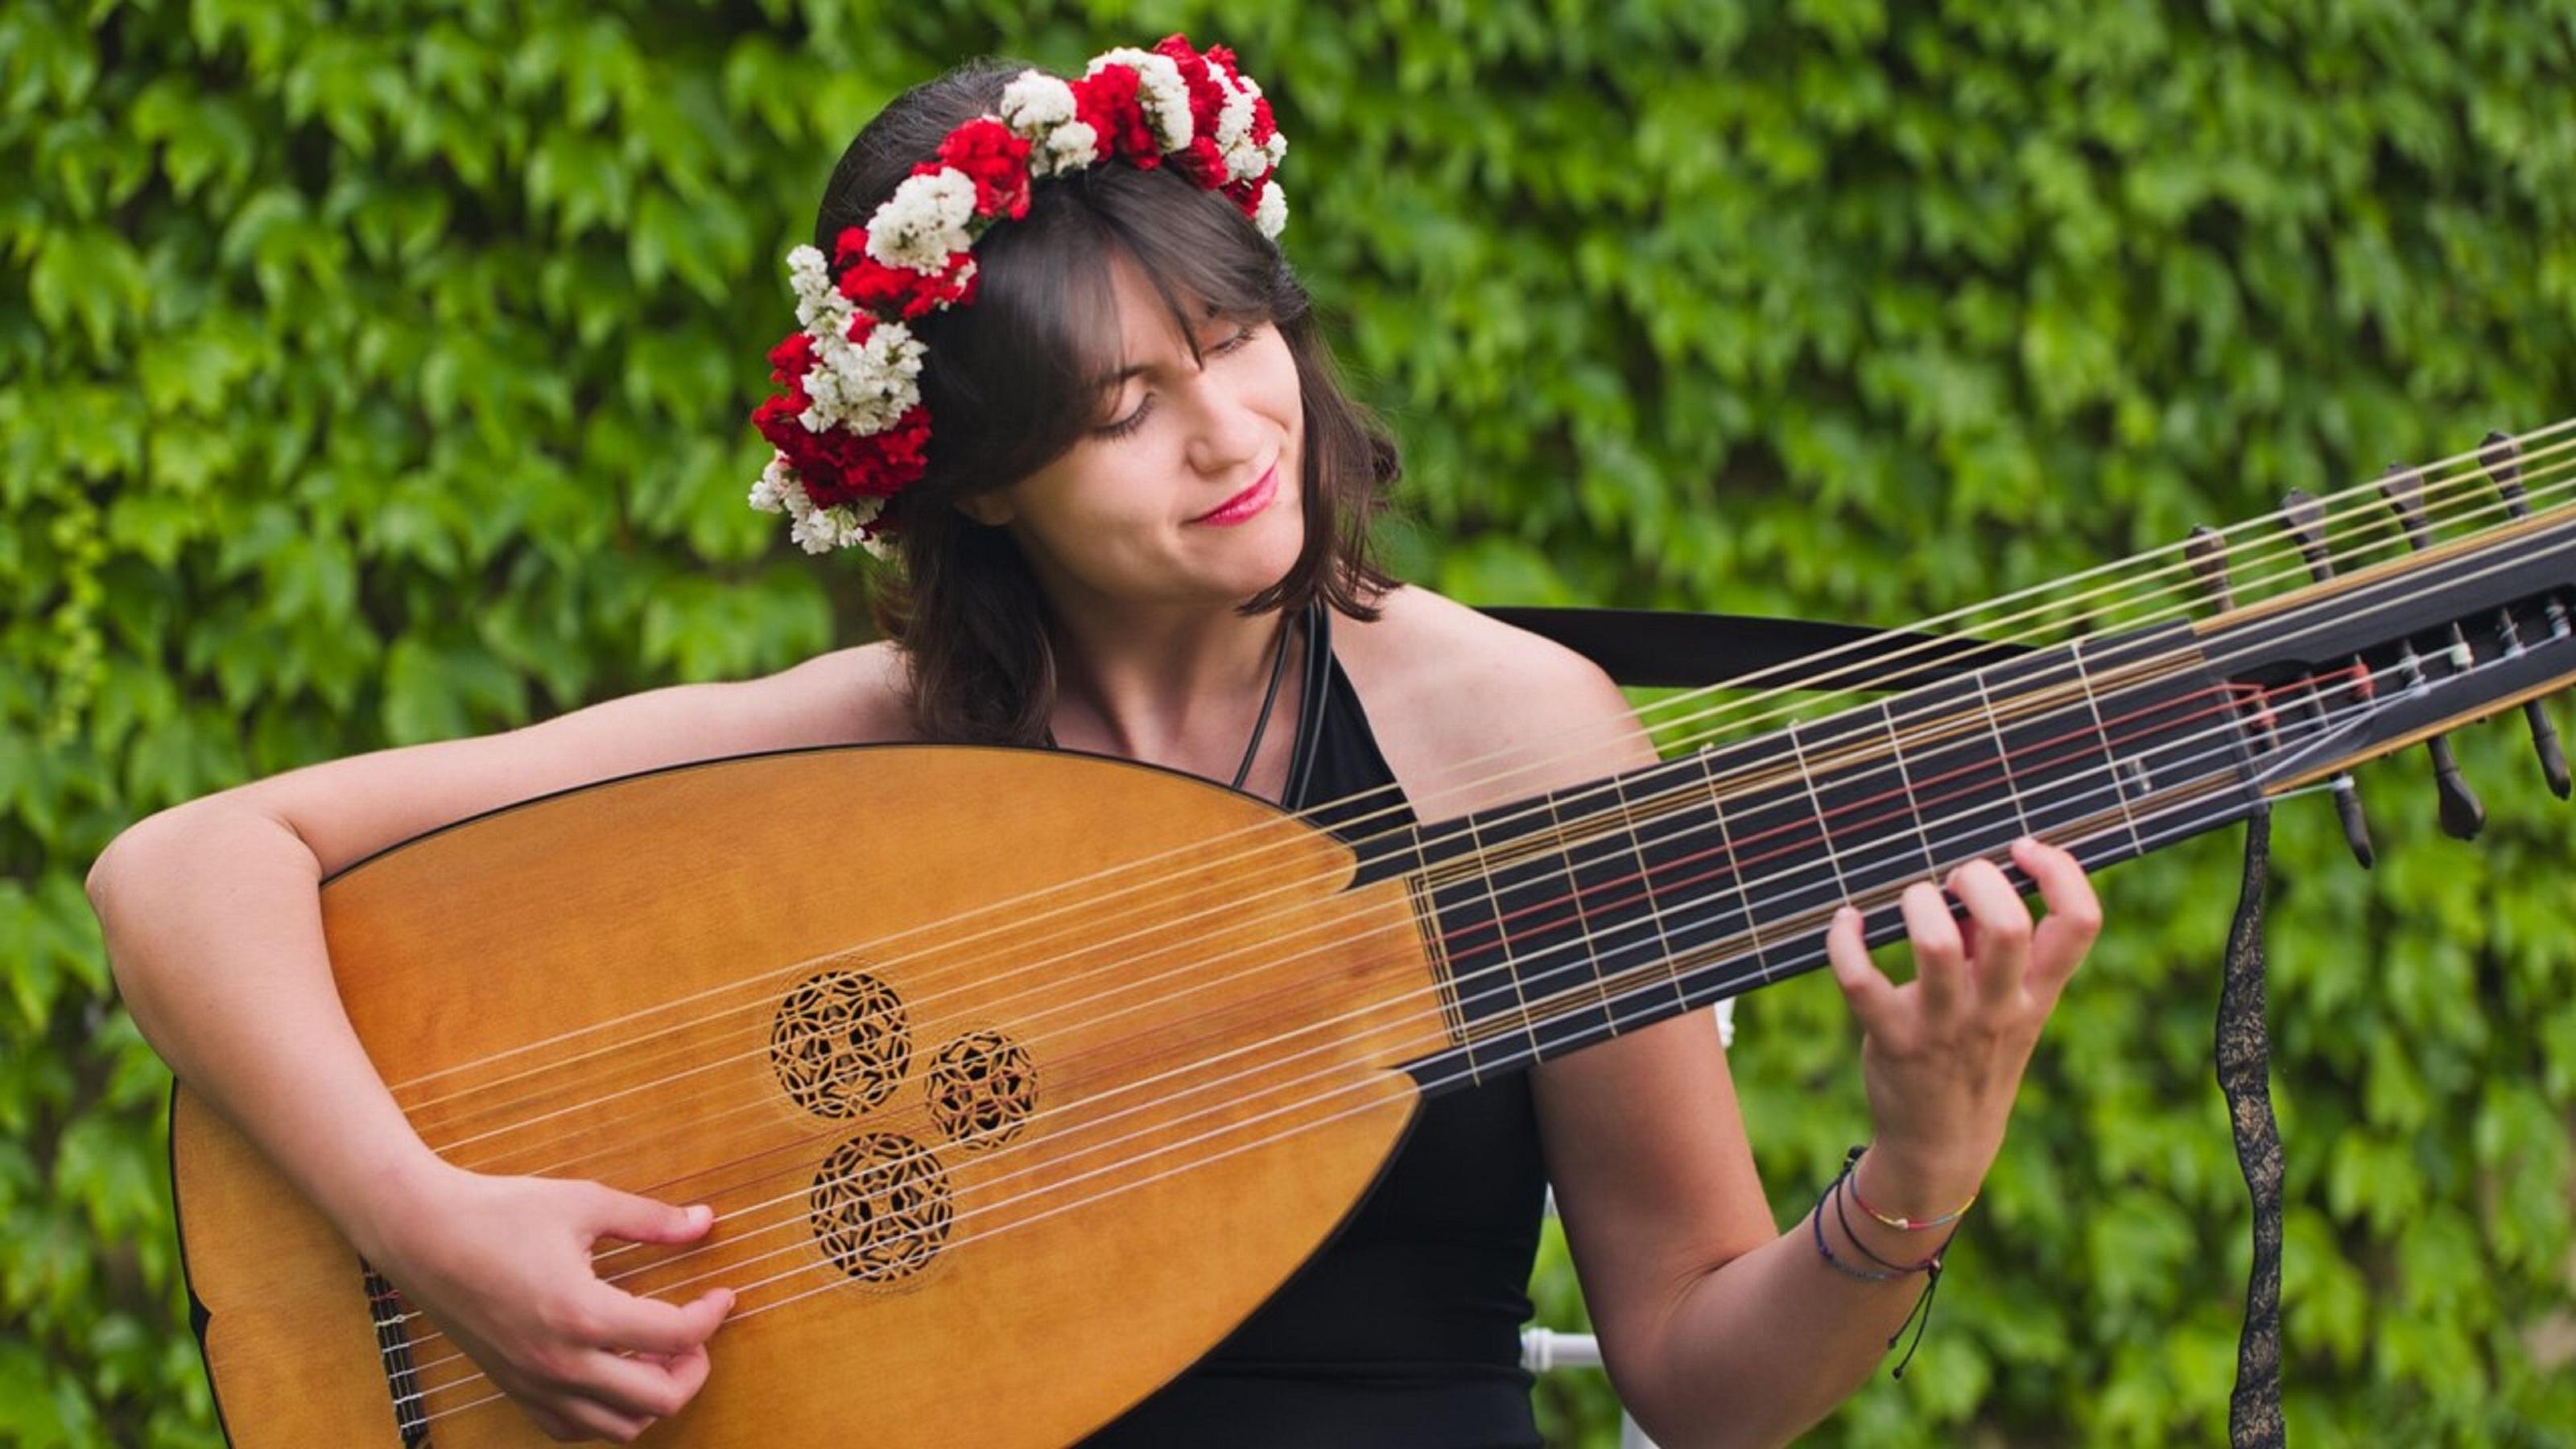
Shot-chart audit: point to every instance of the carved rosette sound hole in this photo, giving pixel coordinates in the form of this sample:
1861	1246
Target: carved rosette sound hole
840	1044
982	1087
880	1207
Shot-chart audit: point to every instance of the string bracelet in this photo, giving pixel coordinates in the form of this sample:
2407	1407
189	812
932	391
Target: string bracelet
1899	1222
1920	1315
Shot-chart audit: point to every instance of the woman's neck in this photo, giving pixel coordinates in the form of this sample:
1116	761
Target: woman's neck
1173	686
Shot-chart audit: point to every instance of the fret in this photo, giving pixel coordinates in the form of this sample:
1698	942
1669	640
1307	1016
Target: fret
1824	832
1734	864
1863	794
1905	782
1577	891
1581	918
2084	682
1470	928
2003	752
1505	965
1646	873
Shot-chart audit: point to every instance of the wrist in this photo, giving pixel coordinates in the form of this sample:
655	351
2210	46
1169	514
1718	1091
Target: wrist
378	1201
1919	1189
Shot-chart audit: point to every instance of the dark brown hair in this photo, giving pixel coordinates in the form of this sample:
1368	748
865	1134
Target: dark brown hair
1015	379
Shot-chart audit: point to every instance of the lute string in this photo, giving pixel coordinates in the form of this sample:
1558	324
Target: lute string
1610	992
955	967
2108	831
1606	992
703	1066
2362	508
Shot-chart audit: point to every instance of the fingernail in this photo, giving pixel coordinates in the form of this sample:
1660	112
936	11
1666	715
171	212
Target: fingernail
1844	914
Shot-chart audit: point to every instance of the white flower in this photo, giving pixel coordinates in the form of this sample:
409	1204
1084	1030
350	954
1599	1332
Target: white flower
776	484
809	274
924	221
1234	118
821	530
1276	147
1035	104
1069	147
863	387
820	307
1272	214
1160	89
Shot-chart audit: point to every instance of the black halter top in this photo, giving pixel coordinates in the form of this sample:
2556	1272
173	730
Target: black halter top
1404	1333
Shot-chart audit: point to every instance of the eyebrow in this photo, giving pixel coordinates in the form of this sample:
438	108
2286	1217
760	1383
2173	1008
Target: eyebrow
1119	377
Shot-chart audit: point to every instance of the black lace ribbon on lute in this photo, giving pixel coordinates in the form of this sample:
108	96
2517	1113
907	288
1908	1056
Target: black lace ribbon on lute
2245	1077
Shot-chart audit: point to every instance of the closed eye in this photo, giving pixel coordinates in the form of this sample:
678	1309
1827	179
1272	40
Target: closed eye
1130	423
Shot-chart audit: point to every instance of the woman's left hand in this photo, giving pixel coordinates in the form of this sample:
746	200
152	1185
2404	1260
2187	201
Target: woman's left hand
1943	1054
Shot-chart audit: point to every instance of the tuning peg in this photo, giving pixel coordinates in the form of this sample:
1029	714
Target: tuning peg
2461	814
2305	518
2498	459
2207	551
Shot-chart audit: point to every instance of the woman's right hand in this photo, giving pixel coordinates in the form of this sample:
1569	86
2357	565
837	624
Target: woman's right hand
503	1265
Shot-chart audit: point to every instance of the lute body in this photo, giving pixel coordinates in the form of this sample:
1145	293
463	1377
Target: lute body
737	889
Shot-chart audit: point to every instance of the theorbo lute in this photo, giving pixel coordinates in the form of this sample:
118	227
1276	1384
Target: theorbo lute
1017	1079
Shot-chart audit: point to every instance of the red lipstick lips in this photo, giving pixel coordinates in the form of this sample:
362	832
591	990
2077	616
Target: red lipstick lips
1245	504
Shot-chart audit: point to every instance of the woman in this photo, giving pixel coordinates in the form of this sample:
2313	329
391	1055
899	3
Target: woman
1137	530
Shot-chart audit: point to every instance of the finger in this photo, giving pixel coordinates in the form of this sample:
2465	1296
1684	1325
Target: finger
649	1325
636	1219
2074	916
1939	959
1871	994
594	1420
650	1390
2003	930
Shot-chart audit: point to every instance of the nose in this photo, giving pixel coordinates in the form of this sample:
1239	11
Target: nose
1227	432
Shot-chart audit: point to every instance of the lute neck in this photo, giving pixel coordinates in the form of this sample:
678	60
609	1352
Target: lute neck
1566	919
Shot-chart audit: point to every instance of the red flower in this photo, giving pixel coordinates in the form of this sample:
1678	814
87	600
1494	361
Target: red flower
1201	161
1246	193
849	246
775	419
837	466
998	161
1106	102
791	359
1206	96
901	291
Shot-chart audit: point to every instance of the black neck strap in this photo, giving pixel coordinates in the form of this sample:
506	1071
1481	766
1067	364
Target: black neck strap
1656	649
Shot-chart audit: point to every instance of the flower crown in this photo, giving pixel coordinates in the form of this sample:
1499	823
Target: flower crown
850	428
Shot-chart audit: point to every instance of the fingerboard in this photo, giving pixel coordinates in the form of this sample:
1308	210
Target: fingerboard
1568	918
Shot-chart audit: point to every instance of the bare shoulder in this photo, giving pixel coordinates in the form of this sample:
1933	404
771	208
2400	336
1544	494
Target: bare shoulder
1471	711
847	696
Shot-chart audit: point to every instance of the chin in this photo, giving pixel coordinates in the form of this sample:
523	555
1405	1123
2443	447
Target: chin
1254	555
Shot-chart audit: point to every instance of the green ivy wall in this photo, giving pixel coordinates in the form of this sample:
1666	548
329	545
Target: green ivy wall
376	372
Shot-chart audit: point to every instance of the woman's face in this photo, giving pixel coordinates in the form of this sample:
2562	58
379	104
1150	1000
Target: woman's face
1188	491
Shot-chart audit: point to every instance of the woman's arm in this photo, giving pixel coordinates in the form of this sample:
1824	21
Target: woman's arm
1719	1330
1717	1327
212	918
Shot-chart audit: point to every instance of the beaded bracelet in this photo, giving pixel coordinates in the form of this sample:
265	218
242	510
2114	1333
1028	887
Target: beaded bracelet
1843	1190
1930	1267
1901	1223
